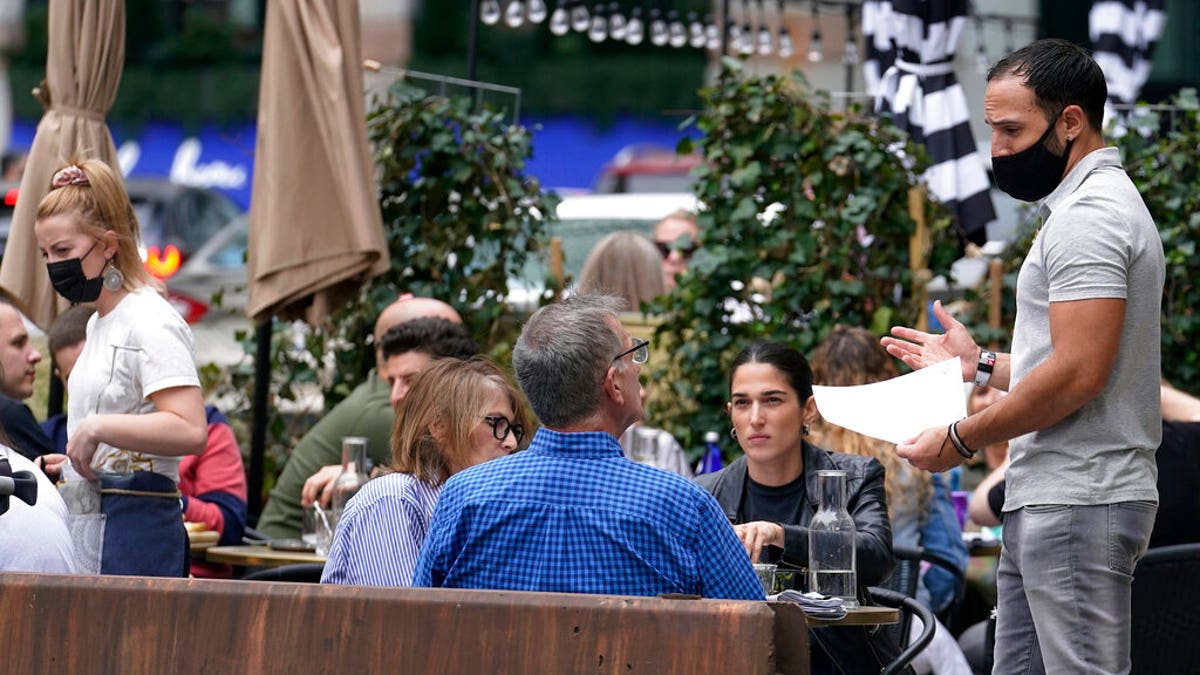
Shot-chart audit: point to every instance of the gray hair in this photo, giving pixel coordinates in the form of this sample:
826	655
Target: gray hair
562	355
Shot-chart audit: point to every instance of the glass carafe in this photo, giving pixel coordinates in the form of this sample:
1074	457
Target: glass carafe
353	475
831	556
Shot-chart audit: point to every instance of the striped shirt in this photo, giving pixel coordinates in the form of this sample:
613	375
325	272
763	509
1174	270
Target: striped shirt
572	514
380	532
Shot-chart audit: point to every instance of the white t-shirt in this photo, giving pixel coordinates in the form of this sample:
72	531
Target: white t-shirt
35	538
140	347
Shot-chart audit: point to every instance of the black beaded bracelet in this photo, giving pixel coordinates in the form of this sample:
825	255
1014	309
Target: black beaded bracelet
957	442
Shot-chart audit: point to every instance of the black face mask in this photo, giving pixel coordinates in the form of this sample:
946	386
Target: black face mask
1034	172
69	279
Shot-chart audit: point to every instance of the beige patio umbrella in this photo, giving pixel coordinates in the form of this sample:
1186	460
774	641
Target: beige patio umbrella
85	55
315	228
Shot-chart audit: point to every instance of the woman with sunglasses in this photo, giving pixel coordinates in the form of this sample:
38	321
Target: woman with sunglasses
457	414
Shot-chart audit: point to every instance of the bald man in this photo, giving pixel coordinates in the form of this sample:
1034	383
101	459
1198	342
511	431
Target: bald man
316	460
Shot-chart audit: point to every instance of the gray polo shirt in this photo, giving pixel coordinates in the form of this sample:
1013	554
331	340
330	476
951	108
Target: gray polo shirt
1097	241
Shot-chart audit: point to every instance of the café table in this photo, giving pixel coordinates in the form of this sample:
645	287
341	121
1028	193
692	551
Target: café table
259	555
981	548
200	540
865	615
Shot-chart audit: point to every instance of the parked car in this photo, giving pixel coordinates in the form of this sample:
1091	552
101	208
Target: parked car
175	220
219	266
647	169
584	220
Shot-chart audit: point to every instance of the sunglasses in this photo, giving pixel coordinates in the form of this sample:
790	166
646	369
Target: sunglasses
665	248
501	426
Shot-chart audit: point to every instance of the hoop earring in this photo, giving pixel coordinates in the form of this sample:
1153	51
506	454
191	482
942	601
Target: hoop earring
113	279
733	433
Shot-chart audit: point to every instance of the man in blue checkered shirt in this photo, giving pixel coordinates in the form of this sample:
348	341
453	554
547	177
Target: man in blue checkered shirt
571	513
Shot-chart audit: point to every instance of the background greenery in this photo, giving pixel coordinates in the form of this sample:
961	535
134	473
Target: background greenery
192	67
805	226
460	216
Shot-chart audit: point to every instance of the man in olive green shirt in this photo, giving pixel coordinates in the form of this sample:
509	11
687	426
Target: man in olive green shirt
368	411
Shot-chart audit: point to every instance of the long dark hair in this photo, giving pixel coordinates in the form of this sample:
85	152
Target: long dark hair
785	359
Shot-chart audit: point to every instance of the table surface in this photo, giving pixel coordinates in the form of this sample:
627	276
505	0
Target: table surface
983	549
200	540
259	556
860	616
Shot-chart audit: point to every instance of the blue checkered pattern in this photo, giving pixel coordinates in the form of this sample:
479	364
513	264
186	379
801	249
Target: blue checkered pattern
572	514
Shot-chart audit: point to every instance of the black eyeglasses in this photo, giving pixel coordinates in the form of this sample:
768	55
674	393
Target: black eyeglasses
501	425
640	351
665	248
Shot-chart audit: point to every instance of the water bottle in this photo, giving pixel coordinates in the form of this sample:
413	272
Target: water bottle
353	475
831	554
711	460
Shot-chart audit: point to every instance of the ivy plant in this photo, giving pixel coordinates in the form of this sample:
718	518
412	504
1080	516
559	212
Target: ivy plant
460	216
805	225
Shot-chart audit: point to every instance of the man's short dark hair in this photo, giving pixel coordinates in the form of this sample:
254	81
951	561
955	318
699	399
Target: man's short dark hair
70	328
436	337
1060	73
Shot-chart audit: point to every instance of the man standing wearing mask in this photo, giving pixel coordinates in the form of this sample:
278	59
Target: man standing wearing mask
1082	409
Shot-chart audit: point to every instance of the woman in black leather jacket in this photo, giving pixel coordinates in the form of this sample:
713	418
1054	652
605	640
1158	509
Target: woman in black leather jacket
770	493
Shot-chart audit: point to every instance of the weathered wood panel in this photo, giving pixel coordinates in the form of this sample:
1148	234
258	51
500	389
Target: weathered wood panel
130	625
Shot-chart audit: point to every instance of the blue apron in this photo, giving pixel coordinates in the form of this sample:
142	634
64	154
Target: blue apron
143	532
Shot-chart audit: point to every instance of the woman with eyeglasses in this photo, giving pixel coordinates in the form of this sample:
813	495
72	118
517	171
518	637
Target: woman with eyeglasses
457	414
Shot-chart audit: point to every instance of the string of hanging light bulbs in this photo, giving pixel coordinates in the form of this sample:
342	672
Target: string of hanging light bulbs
663	26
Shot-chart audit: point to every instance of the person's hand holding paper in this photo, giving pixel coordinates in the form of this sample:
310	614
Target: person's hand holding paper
899	409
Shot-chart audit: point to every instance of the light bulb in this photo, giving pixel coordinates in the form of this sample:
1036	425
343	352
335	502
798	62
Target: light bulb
712	34
560	21
489	12
635	30
598	30
735	37
616	22
678	34
816	53
746	45
580	20
659	34
695	31
786	49
851	58
764	40
536	11
514	14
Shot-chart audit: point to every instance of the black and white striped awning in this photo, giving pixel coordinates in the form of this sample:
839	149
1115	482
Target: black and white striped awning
1123	34
910	71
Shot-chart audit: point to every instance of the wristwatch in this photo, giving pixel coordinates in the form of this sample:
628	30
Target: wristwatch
983	370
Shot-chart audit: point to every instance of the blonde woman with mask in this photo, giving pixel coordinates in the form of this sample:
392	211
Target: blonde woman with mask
135	405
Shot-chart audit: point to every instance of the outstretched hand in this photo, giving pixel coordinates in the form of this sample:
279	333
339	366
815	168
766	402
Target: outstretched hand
930	450
918	349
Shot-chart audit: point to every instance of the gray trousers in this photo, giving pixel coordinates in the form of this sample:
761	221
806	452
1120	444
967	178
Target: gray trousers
1063	587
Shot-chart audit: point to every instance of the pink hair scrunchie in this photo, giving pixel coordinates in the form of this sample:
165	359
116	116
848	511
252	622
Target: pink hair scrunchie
70	174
